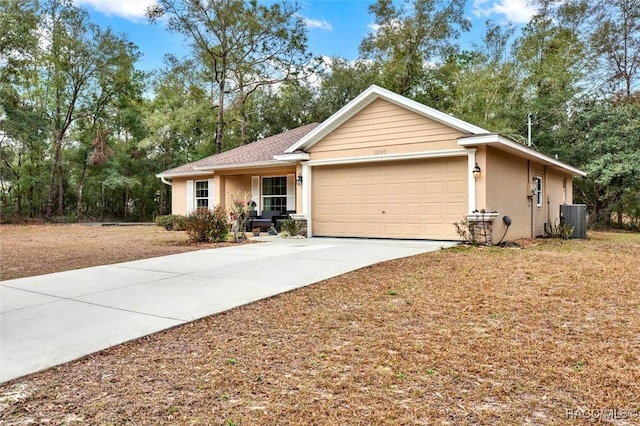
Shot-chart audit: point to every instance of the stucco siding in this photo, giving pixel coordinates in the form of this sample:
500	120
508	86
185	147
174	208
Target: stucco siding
179	193
236	187
179	196
559	191
384	128
506	179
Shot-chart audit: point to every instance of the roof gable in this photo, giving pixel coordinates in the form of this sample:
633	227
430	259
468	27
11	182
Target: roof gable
367	97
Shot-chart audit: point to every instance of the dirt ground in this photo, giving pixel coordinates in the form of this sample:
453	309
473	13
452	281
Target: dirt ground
545	335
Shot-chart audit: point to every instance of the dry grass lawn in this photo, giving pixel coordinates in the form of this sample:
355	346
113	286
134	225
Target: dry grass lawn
543	336
28	250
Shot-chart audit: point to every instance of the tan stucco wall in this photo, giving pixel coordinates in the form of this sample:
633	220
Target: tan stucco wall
505	183
383	128
235	187
555	193
179	196
179	193
506	178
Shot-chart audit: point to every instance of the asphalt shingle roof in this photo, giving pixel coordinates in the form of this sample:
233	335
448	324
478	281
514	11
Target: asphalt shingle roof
255	152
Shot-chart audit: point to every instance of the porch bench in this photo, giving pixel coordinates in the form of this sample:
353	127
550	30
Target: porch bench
266	220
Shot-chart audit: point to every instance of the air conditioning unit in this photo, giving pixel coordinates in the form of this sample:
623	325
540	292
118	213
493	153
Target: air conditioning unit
575	215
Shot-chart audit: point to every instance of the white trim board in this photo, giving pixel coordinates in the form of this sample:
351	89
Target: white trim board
390	157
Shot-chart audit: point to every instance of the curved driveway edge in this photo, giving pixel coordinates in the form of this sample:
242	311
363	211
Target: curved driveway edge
51	319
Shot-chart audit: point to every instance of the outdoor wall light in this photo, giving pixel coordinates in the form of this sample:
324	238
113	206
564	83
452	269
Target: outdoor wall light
299	180
476	171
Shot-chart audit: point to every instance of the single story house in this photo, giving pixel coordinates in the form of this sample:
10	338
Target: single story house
385	166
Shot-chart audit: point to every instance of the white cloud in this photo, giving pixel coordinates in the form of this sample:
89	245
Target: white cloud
516	11
373	27
319	24
133	10
393	24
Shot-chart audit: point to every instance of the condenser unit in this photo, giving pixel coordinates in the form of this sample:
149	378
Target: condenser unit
575	215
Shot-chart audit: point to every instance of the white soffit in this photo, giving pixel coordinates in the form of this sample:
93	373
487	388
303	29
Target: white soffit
507	145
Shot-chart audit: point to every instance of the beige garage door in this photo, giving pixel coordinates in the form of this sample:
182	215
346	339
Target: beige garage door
419	199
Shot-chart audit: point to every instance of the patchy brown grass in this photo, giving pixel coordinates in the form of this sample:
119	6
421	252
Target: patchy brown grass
462	336
28	250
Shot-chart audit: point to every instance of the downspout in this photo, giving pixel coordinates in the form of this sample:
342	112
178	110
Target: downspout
165	181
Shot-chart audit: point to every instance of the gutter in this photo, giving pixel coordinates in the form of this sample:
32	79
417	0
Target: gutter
165	181
233	166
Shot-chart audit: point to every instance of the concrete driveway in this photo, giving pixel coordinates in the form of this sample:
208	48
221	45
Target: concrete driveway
52	319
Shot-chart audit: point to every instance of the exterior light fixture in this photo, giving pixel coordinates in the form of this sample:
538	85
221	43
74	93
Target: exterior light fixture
299	180
476	171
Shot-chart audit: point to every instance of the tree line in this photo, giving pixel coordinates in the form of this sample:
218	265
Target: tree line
83	131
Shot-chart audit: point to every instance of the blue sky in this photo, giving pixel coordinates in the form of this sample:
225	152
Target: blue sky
335	27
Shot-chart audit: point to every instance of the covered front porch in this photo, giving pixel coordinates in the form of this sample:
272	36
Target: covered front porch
275	191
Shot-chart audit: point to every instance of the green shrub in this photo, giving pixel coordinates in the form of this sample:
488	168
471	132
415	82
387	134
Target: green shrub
291	227
220	230
171	222
204	225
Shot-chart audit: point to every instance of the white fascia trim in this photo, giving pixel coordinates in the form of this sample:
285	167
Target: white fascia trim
495	139
180	174
255	164
296	156
368	96
390	157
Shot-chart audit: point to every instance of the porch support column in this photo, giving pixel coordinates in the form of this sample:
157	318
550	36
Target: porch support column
471	196
306	195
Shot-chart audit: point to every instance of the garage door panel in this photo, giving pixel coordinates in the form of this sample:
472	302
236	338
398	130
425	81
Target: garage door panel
414	188
394	228
373	209
412	209
455	208
393	209
375	189
393	189
434	208
420	199
435	187
355	209
456	187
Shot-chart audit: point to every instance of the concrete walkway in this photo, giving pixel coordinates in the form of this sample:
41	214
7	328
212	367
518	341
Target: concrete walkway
52	319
